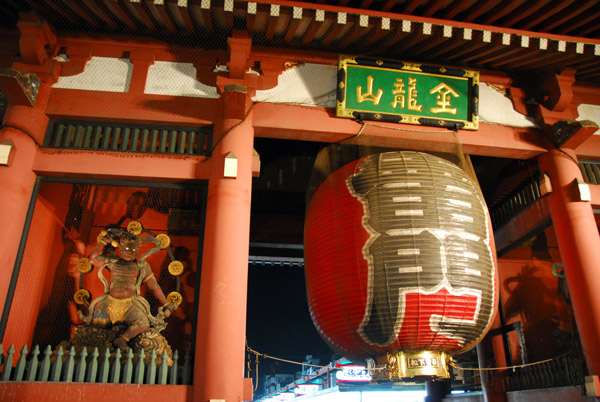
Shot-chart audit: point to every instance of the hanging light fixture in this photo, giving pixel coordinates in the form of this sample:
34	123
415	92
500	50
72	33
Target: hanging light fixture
399	264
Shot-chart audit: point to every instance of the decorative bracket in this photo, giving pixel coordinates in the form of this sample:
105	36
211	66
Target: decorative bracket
19	87
38	40
37	45
245	70
239	47
559	88
572	133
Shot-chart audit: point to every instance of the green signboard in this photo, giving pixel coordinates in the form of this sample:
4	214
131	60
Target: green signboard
393	91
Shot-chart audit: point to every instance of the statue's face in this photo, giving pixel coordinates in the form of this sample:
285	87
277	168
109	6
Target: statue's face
129	249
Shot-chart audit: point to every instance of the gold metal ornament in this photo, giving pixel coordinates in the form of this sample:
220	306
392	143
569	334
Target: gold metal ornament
402	365
174	298
100	238
82	296
165	240
135	227
114	243
393	365
175	268
84	265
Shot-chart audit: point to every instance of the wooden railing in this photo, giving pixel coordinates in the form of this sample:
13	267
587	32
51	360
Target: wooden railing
517	202
94	367
590	171
114	137
562	371
530	192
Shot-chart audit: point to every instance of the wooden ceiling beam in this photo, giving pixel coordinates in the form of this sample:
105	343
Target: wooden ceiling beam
389	4
333	32
410	7
445	46
142	14
119	14
473	45
377	33
591	29
544	14
356	31
82	11
521	13
202	14
182	13
251	10
518	56
583	22
501	10
101	13
159	12
456	8
567	16
274	16
489	59
480	8
54	8
419	44
292	29
558	62
433	8
314	27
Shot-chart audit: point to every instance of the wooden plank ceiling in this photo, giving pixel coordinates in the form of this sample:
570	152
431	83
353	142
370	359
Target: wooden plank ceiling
506	35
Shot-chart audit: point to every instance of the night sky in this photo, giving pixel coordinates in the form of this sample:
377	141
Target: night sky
278	322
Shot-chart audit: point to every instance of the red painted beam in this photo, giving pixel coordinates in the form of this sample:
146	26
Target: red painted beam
127	107
120	166
319	124
306	123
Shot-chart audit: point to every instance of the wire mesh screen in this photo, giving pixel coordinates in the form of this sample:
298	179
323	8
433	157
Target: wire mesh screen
65	227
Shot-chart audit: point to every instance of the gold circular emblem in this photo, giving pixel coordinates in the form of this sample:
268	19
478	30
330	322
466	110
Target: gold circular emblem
175	268
82	296
342	85
114	243
377	116
84	265
174	298
100	238
379	62
135	227
165	240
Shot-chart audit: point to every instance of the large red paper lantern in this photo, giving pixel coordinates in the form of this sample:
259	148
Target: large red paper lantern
399	262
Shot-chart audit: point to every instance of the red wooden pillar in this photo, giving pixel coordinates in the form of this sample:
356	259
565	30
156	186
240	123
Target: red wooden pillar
25	126
579	245
220	340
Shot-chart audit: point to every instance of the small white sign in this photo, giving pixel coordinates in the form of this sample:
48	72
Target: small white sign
353	373
306	389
